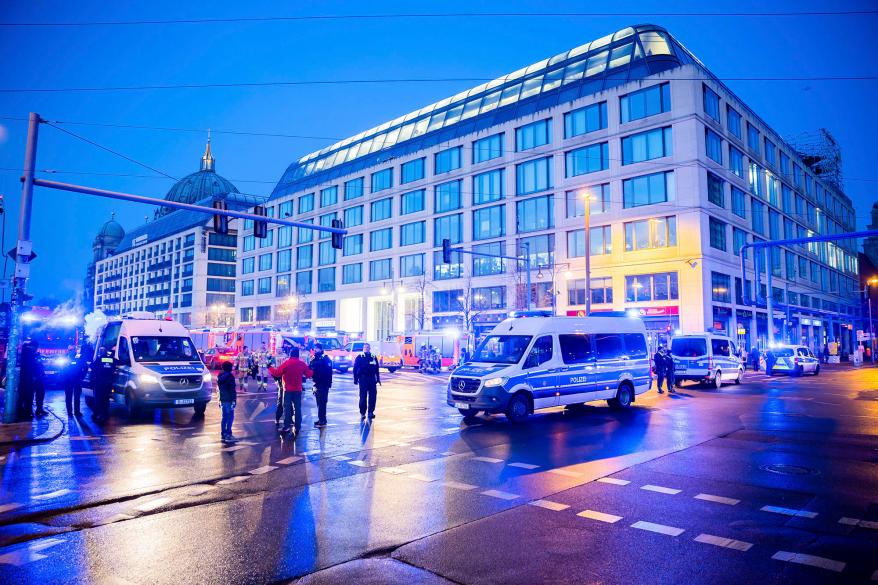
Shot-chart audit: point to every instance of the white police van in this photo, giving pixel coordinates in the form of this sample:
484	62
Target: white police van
538	362
706	358
157	365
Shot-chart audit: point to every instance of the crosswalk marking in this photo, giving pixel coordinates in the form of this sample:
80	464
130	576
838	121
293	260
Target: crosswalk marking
549	505
718	499
524	465
233	479
724	542
423	449
810	560
859	522
359	463
487	459
613	481
600	516
500	494
262	470
789	511
207	455
658	528
422	477
392	470
288	460
565	472
233	449
459	485
660	489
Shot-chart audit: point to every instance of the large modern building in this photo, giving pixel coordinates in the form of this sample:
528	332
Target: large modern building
176	263
679	171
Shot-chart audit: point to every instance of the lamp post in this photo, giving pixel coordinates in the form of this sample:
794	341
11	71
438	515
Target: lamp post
587	198
869	283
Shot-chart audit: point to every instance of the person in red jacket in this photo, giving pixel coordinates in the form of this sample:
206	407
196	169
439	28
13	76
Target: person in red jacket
292	371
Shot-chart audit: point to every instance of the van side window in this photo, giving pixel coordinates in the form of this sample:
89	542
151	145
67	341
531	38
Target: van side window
575	349
540	353
110	335
635	345
609	346
124	354
720	347
734	348
803	352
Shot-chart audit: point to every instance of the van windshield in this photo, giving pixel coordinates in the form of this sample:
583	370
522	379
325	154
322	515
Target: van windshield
163	349
501	349
689	346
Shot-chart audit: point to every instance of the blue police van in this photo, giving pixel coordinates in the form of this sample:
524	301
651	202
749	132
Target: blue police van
529	363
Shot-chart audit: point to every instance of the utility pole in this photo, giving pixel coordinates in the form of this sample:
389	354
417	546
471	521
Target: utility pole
588	199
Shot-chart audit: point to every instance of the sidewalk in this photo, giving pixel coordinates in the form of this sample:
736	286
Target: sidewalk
39	430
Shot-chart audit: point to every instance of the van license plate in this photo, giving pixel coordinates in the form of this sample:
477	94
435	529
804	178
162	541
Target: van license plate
185	401
462	405
680	367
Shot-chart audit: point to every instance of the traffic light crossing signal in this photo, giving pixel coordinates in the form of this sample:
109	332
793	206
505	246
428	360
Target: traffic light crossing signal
446	251
220	222
260	228
337	238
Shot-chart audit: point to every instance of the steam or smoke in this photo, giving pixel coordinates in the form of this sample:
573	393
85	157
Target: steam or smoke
92	322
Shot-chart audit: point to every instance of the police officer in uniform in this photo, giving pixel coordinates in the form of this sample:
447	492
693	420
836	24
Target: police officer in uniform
367	377
103	369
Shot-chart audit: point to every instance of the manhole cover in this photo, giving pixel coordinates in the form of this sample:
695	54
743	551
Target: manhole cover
417	408
783	469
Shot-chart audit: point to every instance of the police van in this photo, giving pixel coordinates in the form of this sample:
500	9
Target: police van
156	365
706	358
529	363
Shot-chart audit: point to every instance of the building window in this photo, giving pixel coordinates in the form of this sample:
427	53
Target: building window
247	288
285	209
413	233
646	234
597	195
263	285
353	189
249	243
412	202
739	205
381	240
645	102
412	171
756	184
448	227
268	240
380	269
326	279
535	214
720	286
442	271
647	145
758	210
588	159
739	239
325	254
487	148
325	309
352	273
533	135
716	190
284	260
736	161
448	160
446	197
382	180
352	245
585	120
265	261
411	265
488	187
542	249
733	121
717	234
248	265
326	221
306	203
797	176
304	257
489	222
533	176
303	283
648	189
770	153
445	301
600	242
328	196
381	209
305	235
282	286
753	138
713	145
284	236
246	314
485	266
711	103
601	291
353	216
263	314
651	287
489	298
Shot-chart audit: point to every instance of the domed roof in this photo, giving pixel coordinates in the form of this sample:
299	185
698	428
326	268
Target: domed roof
198	186
110	234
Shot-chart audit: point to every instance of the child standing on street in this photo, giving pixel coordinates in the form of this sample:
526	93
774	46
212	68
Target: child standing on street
228	397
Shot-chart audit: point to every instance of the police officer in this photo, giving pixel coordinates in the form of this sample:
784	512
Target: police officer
660	367
73	373
367	377
670	375
103	369
321	365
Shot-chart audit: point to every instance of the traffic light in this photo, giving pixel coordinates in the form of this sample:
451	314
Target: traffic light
446	251
260	228
337	238
220	222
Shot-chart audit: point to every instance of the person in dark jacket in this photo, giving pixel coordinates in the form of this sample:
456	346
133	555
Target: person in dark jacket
754	358
103	370
670	378
228	398
27	373
321	366
73	374
367	377
658	364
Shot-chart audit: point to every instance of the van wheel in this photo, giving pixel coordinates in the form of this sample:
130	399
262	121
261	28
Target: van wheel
740	377
342	370
200	408
391	369
468	414
717	380
624	398
518	408
817	371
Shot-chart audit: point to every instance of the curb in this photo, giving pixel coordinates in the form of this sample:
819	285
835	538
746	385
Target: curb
55	430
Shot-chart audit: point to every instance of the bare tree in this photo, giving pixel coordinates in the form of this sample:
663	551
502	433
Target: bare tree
418	313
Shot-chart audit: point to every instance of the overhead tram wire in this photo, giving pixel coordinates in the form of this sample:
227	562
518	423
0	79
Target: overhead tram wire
439	15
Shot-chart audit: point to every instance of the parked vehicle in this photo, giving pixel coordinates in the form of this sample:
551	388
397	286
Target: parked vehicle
538	362
387	352
706	358
793	360
215	356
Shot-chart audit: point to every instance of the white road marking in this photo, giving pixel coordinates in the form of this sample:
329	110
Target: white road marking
141	471
341	458
789	511
724	542
423	449
233	449
487	459
499	494
459	486
231	480
718	499
660	489
392	470
151	505
288	460
360	463
206	455
859	522
599	516
422	477
659	528
44	544
613	480
809	560
9	507
50	495
210	444
549	505
262	470
565	472
524	465
197	490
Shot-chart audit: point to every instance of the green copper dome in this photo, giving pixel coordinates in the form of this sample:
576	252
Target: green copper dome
198	186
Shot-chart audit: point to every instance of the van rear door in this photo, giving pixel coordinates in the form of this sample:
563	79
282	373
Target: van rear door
541	367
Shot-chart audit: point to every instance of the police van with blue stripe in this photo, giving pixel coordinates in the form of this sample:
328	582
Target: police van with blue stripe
529	363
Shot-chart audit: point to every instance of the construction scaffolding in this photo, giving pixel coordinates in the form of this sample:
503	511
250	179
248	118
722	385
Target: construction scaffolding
821	153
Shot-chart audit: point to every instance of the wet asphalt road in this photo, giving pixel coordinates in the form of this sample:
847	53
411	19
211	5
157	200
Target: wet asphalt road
773	481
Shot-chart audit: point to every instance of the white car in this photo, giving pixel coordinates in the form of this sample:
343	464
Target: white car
793	360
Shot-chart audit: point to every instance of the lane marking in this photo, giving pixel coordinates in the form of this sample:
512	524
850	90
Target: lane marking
487	459
660	489
360	463
724	542
392	470
51	495
565	472
459	486
262	470
423	449
341	458
231	480
613	480
810	560
789	511
859	522
289	460
9	507
206	455
422	477
600	516
499	494
524	465
151	505
549	505
44	544
658	528
718	499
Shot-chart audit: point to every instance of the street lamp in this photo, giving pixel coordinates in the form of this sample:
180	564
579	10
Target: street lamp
869	283
587	198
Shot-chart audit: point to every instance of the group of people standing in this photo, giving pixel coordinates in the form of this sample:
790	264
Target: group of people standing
663	364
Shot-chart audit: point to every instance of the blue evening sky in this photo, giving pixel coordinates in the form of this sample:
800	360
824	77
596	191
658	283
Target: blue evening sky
65	224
